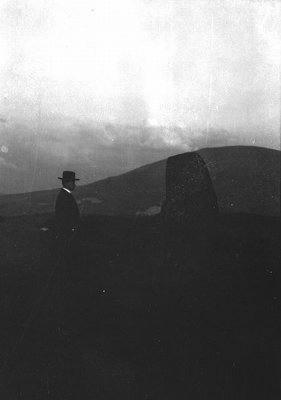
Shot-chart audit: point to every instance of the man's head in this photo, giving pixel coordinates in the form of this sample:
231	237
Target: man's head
68	180
70	185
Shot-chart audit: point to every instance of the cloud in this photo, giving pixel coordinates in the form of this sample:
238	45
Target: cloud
85	140
7	164
175	62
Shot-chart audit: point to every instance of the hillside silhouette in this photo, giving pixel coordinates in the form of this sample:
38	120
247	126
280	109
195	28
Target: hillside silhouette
245	178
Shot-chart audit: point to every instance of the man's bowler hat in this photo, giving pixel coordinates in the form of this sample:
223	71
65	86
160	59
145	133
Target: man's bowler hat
68	176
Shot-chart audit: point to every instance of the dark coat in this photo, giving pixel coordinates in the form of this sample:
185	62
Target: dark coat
66	215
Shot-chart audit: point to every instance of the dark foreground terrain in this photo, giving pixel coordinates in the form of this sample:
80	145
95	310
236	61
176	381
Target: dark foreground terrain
142	316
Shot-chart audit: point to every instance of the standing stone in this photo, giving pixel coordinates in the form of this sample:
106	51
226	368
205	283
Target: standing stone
191	203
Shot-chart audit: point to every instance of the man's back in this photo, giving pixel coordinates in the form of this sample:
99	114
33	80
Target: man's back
66	213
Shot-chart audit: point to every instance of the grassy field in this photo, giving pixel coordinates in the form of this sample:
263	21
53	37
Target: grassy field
140	315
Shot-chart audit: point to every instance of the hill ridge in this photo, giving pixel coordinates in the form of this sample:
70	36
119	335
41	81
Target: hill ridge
245	178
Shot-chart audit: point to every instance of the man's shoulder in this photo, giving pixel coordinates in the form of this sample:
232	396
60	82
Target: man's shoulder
62	195
65	197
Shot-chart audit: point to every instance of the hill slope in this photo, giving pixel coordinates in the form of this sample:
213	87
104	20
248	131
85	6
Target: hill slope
245	178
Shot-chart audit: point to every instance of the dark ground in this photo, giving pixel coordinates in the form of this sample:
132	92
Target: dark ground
141	319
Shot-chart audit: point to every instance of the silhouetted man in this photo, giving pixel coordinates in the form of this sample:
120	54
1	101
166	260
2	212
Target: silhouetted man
66	224
66	210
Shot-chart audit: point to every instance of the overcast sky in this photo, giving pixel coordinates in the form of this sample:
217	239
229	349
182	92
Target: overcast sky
71	66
